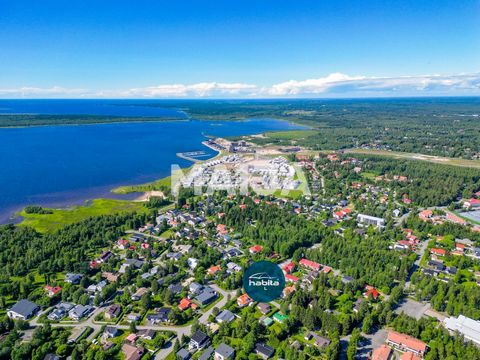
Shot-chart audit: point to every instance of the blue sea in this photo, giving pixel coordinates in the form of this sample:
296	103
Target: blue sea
60	166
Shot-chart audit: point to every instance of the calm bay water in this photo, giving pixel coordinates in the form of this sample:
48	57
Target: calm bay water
66	165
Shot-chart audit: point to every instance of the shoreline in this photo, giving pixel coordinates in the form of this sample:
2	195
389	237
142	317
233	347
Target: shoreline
136	192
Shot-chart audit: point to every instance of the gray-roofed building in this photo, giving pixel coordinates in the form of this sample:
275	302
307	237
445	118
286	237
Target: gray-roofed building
79	312
264	351
469	328
224	352
226	316
207	354
206	297
264	308
73	278
23	310
110	332
183	354
198	340
175	288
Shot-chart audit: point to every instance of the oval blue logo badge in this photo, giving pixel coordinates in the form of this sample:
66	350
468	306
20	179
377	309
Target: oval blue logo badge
264	281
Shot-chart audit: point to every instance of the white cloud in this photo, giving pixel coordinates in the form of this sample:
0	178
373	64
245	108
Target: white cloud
337	84
55	91
332	85
205	89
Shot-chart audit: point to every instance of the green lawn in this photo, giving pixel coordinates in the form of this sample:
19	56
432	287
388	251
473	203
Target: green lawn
289	135
62	217
154	185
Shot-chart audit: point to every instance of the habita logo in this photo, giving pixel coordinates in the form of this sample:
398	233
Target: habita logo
264	281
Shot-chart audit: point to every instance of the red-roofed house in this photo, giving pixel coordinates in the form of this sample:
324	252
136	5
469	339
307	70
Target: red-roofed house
460	247
52	290
288	268
342	213
255	249
222	229
288	290
438	252
326	269
409	356
472	203
131	337
332	157
404	342
456	219
243	207
145	245
244	300
383	352
122	244
291	278
186	303
213	270
370	290
312	265
425	214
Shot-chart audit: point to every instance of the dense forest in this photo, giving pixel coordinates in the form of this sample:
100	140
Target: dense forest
23	249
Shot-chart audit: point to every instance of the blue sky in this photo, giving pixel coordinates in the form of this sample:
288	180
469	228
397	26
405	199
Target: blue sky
242	48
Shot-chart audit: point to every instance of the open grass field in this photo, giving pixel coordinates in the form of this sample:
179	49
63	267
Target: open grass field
475	164
154	185
61	217
289	135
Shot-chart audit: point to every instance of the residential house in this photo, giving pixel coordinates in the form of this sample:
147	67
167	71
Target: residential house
133	317
255	249
438	252
214	270
73	279
244	300
405	342
110	332
264	351
206	296
207	354
383	352
289	267
367	220
186	304
226	316
176	288
371	291
224	352
320	341
139	293
52	290
279	317
132	352
310	264
23	310
79	312
60	311
264	308
160	316
183	354
113	311
198	341
147	334
233	268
